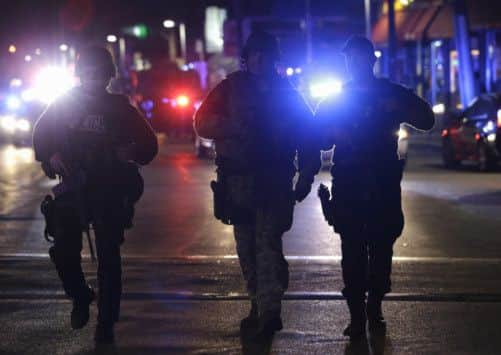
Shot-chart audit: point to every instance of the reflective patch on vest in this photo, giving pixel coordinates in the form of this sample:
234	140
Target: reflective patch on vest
93	123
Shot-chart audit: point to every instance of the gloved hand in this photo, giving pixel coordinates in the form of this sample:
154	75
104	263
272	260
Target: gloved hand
58	165
126	153
303	188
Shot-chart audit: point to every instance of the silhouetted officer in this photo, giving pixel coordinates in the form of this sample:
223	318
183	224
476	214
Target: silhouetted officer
362	123
259	123
93	140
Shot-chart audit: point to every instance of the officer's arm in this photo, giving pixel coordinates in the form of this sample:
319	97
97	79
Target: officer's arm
211	119
44	142
308	150
329	122
416	111
144	138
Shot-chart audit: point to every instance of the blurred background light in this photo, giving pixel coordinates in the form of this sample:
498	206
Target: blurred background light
169	24
322	89
13	103
16	82
439	108
23	125
52	82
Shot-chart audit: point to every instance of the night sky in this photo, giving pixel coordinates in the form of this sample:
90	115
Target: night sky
36	20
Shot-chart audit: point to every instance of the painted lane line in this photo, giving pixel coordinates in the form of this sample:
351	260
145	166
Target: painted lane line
289	296
323	258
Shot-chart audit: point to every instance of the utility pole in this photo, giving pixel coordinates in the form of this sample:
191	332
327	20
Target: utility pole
392	39
237	13
465	67
182	41
308	28
367	6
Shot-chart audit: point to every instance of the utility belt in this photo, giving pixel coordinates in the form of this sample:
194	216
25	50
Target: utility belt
237	198
75	194
234	198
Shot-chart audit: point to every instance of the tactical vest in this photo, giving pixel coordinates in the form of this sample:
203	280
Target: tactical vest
266	129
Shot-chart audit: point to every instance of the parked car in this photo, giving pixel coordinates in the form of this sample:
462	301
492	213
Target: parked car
474	134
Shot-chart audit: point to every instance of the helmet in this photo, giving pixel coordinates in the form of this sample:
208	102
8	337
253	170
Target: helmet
260	41
95	63
361	45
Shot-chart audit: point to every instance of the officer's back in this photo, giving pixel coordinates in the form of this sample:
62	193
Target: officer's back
87	125
256	120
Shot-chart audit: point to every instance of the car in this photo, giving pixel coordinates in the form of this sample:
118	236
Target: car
17	119
205	148
474	134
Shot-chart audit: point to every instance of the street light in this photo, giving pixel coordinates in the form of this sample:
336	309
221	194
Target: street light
111	38
12	48
63	47
27	58
169	24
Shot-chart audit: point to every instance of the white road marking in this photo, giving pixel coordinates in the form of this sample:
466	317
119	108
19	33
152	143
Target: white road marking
305	258
237	296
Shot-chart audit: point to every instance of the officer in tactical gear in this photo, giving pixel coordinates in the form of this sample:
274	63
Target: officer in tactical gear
93	141
362	123
259	124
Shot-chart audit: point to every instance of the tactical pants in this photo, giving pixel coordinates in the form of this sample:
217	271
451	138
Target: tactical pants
366	264
259	249
259	246
66	256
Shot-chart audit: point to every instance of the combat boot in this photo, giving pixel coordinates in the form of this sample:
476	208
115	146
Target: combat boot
356	329
80	311
375	314
269	323
252	320
104	334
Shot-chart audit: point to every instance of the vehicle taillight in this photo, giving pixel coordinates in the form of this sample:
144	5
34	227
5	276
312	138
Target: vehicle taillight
445	132
182	100
499	118
477	136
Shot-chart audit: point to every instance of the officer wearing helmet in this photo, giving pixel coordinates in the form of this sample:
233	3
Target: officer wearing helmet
94	141
362	123
259	124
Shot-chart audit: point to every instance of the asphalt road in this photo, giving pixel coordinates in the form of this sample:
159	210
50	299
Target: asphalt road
184	294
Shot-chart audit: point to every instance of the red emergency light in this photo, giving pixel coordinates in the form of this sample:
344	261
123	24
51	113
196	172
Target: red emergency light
182	100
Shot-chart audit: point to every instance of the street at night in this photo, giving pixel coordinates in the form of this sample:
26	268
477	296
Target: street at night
250	177
183	290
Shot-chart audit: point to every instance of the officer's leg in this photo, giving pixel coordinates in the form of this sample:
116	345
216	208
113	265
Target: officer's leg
65	254
272	268
109	237
245	238
380	262
354	266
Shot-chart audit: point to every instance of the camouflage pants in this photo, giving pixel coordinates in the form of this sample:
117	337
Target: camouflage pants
259	247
